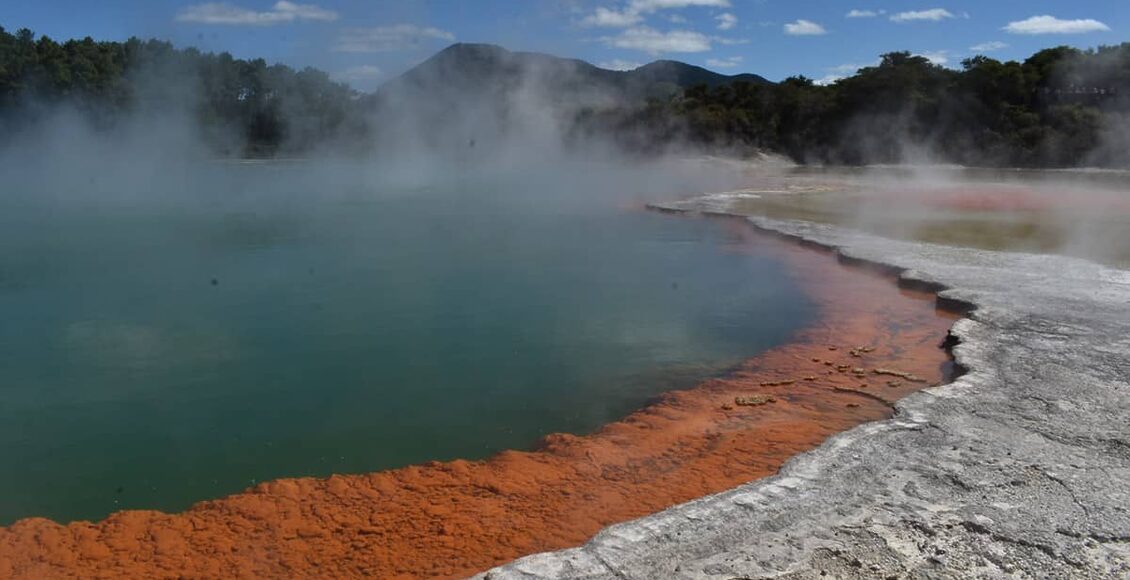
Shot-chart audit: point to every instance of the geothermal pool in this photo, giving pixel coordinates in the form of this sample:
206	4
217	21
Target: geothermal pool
252	322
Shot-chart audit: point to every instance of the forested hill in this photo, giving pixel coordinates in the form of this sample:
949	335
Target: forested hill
483	92
484	67
1059	107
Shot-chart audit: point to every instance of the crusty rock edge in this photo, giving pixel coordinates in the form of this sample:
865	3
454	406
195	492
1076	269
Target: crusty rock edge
1017	468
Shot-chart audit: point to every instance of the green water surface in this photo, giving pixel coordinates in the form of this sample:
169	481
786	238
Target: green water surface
261	321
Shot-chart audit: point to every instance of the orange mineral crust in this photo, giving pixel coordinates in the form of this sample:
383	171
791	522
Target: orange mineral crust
872	344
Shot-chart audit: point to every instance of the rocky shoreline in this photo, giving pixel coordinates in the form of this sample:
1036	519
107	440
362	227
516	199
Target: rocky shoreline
453	519
1018	468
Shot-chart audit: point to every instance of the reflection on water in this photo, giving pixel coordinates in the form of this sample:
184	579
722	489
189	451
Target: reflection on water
155	354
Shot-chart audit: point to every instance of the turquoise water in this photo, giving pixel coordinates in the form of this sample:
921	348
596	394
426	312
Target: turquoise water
256	322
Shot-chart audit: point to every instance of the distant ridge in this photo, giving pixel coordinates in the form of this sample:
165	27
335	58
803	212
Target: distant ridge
488	67
686	75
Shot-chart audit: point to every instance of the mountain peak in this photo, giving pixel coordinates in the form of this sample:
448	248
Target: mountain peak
687	75
472	48
485	67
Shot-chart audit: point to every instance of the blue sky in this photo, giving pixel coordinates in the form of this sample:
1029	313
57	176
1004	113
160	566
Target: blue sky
366	41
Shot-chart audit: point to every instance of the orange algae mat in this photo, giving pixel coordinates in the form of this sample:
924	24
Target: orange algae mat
449	520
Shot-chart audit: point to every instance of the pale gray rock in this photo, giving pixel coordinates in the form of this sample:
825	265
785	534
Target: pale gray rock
1019	468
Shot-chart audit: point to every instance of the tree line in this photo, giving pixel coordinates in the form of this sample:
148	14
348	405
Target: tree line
1060	107
241	107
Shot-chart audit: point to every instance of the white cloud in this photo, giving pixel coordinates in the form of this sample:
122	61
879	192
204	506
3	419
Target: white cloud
388	38
1051	25
804	28
653	41
988	46
838	72
282	12
677	19
603	17
856	13
726	21
938	57
619	64
729	62
635	11
931	15
306	11
647	6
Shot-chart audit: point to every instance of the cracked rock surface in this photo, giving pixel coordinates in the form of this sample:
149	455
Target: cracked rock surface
1019	468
